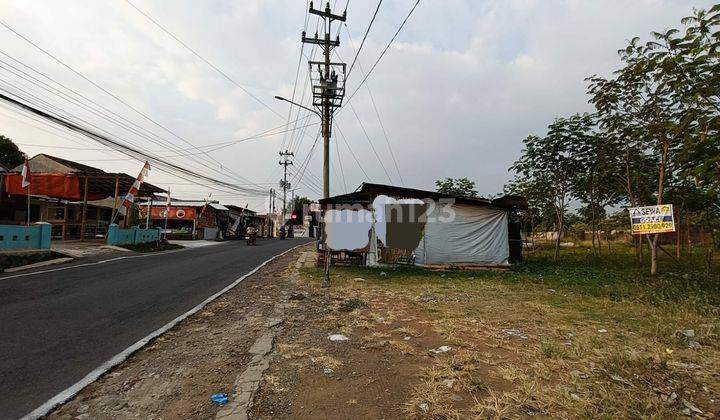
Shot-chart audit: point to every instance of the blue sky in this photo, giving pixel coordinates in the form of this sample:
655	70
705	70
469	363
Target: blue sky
457	92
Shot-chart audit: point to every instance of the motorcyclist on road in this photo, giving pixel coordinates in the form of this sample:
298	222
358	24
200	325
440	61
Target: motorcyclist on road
251	234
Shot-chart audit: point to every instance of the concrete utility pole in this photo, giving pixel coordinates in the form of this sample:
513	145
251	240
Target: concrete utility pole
284	184
329	85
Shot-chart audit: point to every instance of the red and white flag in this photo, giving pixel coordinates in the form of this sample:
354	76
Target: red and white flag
26	174
130	197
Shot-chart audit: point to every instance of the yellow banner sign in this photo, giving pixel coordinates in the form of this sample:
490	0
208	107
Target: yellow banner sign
652	219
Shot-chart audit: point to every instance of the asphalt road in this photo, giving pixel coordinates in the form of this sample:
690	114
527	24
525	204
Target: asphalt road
57	327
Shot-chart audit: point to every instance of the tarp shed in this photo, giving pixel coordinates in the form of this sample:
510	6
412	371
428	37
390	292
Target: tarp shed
477	235
454	230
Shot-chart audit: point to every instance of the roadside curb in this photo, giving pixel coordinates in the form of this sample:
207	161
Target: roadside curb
39	264
116	360
248	382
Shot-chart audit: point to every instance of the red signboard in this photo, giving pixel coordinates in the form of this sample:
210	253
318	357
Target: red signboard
52	185
175	213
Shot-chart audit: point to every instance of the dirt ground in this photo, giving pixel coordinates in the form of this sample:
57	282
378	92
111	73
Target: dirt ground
175	375
512	351
426	344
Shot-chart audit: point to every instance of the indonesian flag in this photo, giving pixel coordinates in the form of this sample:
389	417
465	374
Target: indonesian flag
26	174
130	197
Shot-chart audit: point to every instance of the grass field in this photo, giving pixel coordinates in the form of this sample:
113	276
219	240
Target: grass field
578	337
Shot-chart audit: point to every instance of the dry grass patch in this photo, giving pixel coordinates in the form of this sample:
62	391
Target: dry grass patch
556	339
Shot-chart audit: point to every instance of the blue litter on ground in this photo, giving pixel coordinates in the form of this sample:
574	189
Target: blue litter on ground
219	399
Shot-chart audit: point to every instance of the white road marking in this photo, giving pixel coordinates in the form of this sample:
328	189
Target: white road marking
149	254
91	377
195	244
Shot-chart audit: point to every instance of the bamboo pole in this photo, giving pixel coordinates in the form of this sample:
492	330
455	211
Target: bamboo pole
117	191
84	211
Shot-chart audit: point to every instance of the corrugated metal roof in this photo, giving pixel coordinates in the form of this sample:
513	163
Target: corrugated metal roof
178	203
187	203
217	206
368	191
45	163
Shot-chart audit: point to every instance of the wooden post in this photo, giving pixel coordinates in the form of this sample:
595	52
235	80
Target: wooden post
65	218
677	234
84	211
117	188
326	271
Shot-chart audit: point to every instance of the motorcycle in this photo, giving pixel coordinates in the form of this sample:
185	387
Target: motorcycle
250	239
250	236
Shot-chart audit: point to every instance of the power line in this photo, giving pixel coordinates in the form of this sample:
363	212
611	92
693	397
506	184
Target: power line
372	146
59	61
28	77
130	128
70	117
299	136
352	153
342	172
367	31
377	113
385	50
56	59
158	162
297	73
206	61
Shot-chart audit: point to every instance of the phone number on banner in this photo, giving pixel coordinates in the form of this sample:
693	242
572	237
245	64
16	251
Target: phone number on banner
652	227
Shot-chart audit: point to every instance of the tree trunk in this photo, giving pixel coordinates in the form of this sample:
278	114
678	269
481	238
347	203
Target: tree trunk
677	236
653	253
660	190
687	232
592	219
559	235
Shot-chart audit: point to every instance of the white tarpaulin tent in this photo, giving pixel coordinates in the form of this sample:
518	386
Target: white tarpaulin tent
476	235
458	230
347	230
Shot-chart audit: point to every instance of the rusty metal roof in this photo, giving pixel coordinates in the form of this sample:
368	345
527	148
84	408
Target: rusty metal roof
368	191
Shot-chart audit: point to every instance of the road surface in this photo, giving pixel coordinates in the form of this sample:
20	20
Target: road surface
58	326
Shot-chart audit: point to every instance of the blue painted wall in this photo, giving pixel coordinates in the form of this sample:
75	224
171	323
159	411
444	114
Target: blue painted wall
35	236
134	235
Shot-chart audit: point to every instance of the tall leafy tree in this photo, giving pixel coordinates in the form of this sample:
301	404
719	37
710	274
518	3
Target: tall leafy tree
10	154
456	186
593	182
664	103
549	164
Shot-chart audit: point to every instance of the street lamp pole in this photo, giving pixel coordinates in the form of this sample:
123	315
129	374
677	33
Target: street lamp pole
280	98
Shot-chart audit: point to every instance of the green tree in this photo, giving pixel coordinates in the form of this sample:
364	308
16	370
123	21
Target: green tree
593	183
664	102
295	206
456	186
548	164
540	214
10	154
